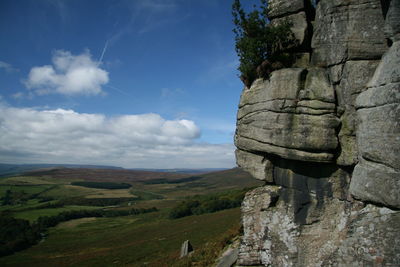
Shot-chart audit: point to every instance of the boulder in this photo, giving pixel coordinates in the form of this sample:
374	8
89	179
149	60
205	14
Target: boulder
186	249
292	115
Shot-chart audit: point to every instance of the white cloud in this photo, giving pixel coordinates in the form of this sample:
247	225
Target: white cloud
8	67
134	141
69	75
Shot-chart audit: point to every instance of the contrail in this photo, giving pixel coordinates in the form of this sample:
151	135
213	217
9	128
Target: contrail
118	90
102	54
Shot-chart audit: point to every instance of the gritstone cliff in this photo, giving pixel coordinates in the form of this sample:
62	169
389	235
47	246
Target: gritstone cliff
325	137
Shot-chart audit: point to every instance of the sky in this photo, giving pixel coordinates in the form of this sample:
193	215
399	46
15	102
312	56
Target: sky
129	83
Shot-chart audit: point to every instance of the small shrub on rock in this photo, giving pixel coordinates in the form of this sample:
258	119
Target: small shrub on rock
260	46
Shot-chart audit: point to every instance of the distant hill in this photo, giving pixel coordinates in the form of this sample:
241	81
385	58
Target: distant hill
188	171
228	178
104	175
18	169
232	178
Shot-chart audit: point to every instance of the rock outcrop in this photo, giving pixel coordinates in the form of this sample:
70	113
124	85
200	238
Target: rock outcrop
325	137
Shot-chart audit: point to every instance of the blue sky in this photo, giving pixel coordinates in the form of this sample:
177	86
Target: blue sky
139	83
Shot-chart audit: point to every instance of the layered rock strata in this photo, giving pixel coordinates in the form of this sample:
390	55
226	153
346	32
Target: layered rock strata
325	137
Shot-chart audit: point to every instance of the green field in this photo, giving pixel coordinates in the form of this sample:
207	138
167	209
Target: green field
148	239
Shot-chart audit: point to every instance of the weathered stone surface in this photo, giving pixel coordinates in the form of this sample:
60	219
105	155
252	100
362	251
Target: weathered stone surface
318	86
379	134
335	73
297	131
347	138
377	177
315	181
285	83
379	96
389	70
371	240
254	216
335	196
377	183
392	20
229	258
299	27
279	8
342	31
355	77
282	151
271	119
257	165
341	234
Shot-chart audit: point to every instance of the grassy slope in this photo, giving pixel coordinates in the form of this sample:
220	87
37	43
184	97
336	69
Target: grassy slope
124	241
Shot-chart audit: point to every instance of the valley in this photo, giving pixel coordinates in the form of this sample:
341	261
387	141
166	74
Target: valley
130	225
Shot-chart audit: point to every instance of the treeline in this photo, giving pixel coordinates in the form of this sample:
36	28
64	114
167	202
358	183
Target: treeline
19	234
208	203
103	185
16	234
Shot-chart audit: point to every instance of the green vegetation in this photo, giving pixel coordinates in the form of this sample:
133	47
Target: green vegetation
16	234
82	226
208	203
127	241
259	44
103	185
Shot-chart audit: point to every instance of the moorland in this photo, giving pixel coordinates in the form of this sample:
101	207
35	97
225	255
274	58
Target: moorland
103	217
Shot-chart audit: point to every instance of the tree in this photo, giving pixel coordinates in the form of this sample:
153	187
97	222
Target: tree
259	45
7	197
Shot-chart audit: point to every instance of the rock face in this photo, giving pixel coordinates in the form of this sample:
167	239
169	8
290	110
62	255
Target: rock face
325	136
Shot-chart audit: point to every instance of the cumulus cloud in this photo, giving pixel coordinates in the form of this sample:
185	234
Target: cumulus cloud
29	135
69	75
